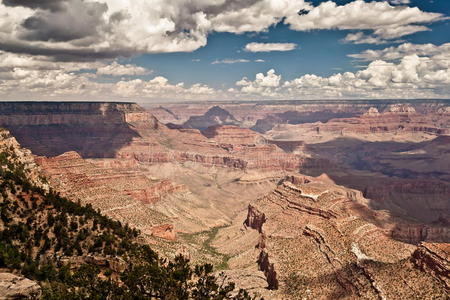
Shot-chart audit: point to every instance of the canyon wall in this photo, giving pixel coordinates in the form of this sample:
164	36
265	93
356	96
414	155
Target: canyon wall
318	240
289	111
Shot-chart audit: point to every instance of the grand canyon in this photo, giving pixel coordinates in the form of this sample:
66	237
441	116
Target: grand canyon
225	149
289	199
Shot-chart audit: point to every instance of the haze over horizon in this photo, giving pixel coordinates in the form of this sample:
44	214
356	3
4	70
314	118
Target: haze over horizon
223	50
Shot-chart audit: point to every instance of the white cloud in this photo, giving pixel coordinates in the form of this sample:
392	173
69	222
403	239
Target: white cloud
268	47
37	78
400	2
361	38
265	85
116	69
95	29
386	76
235	61
98	29
412	76
393	53
385	20
230	61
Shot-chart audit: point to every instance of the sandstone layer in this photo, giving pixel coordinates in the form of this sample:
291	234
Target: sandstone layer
396	122
317	240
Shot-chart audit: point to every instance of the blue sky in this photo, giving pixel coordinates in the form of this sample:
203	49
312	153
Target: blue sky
201	50
320	52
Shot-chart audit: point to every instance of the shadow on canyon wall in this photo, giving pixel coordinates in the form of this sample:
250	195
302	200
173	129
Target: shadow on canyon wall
99	141
297	117
410	180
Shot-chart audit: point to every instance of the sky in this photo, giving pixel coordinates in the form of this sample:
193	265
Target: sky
182	50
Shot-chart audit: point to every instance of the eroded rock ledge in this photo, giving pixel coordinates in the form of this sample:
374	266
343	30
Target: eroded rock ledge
346	253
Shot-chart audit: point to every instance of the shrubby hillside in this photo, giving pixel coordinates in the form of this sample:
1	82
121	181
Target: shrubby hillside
75	252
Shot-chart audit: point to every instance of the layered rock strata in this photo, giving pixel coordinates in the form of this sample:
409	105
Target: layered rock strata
321	241
396	122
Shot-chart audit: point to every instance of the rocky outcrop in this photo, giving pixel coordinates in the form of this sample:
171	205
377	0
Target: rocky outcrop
298	117
93	129
119	189
255	219
397	122
70	113
416	233
373	111
126	132
165	231
348	255
18	287
227	134
434	259
269	270
156	192
214	116
400	109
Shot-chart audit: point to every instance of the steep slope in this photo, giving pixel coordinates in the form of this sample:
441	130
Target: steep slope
397	156
93	129
77	253
173	185
317	240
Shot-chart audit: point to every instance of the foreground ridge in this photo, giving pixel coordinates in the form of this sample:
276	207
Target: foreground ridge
75	252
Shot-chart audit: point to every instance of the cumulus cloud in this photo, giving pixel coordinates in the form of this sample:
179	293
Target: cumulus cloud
83	29
264	84
413	76
98	29
268	47
116	69
394	53
55	48
26	77
386	21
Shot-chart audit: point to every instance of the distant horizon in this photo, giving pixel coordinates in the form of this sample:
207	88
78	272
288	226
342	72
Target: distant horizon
442	100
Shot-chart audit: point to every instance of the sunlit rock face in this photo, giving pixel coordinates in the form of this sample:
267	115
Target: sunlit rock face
322	241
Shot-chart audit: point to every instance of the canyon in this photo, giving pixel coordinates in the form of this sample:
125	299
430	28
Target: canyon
291	200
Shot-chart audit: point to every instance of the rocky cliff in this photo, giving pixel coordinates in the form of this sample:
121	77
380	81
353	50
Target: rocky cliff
320	241
125	131
69	113
94	129
269	113
396	122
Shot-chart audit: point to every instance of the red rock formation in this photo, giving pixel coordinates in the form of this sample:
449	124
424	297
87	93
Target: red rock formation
255	219
165	231
347	256
398	120
156	192
227	134
214	116
434	259
416	233
120	188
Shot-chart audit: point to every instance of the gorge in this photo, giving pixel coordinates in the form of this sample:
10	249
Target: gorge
314	201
